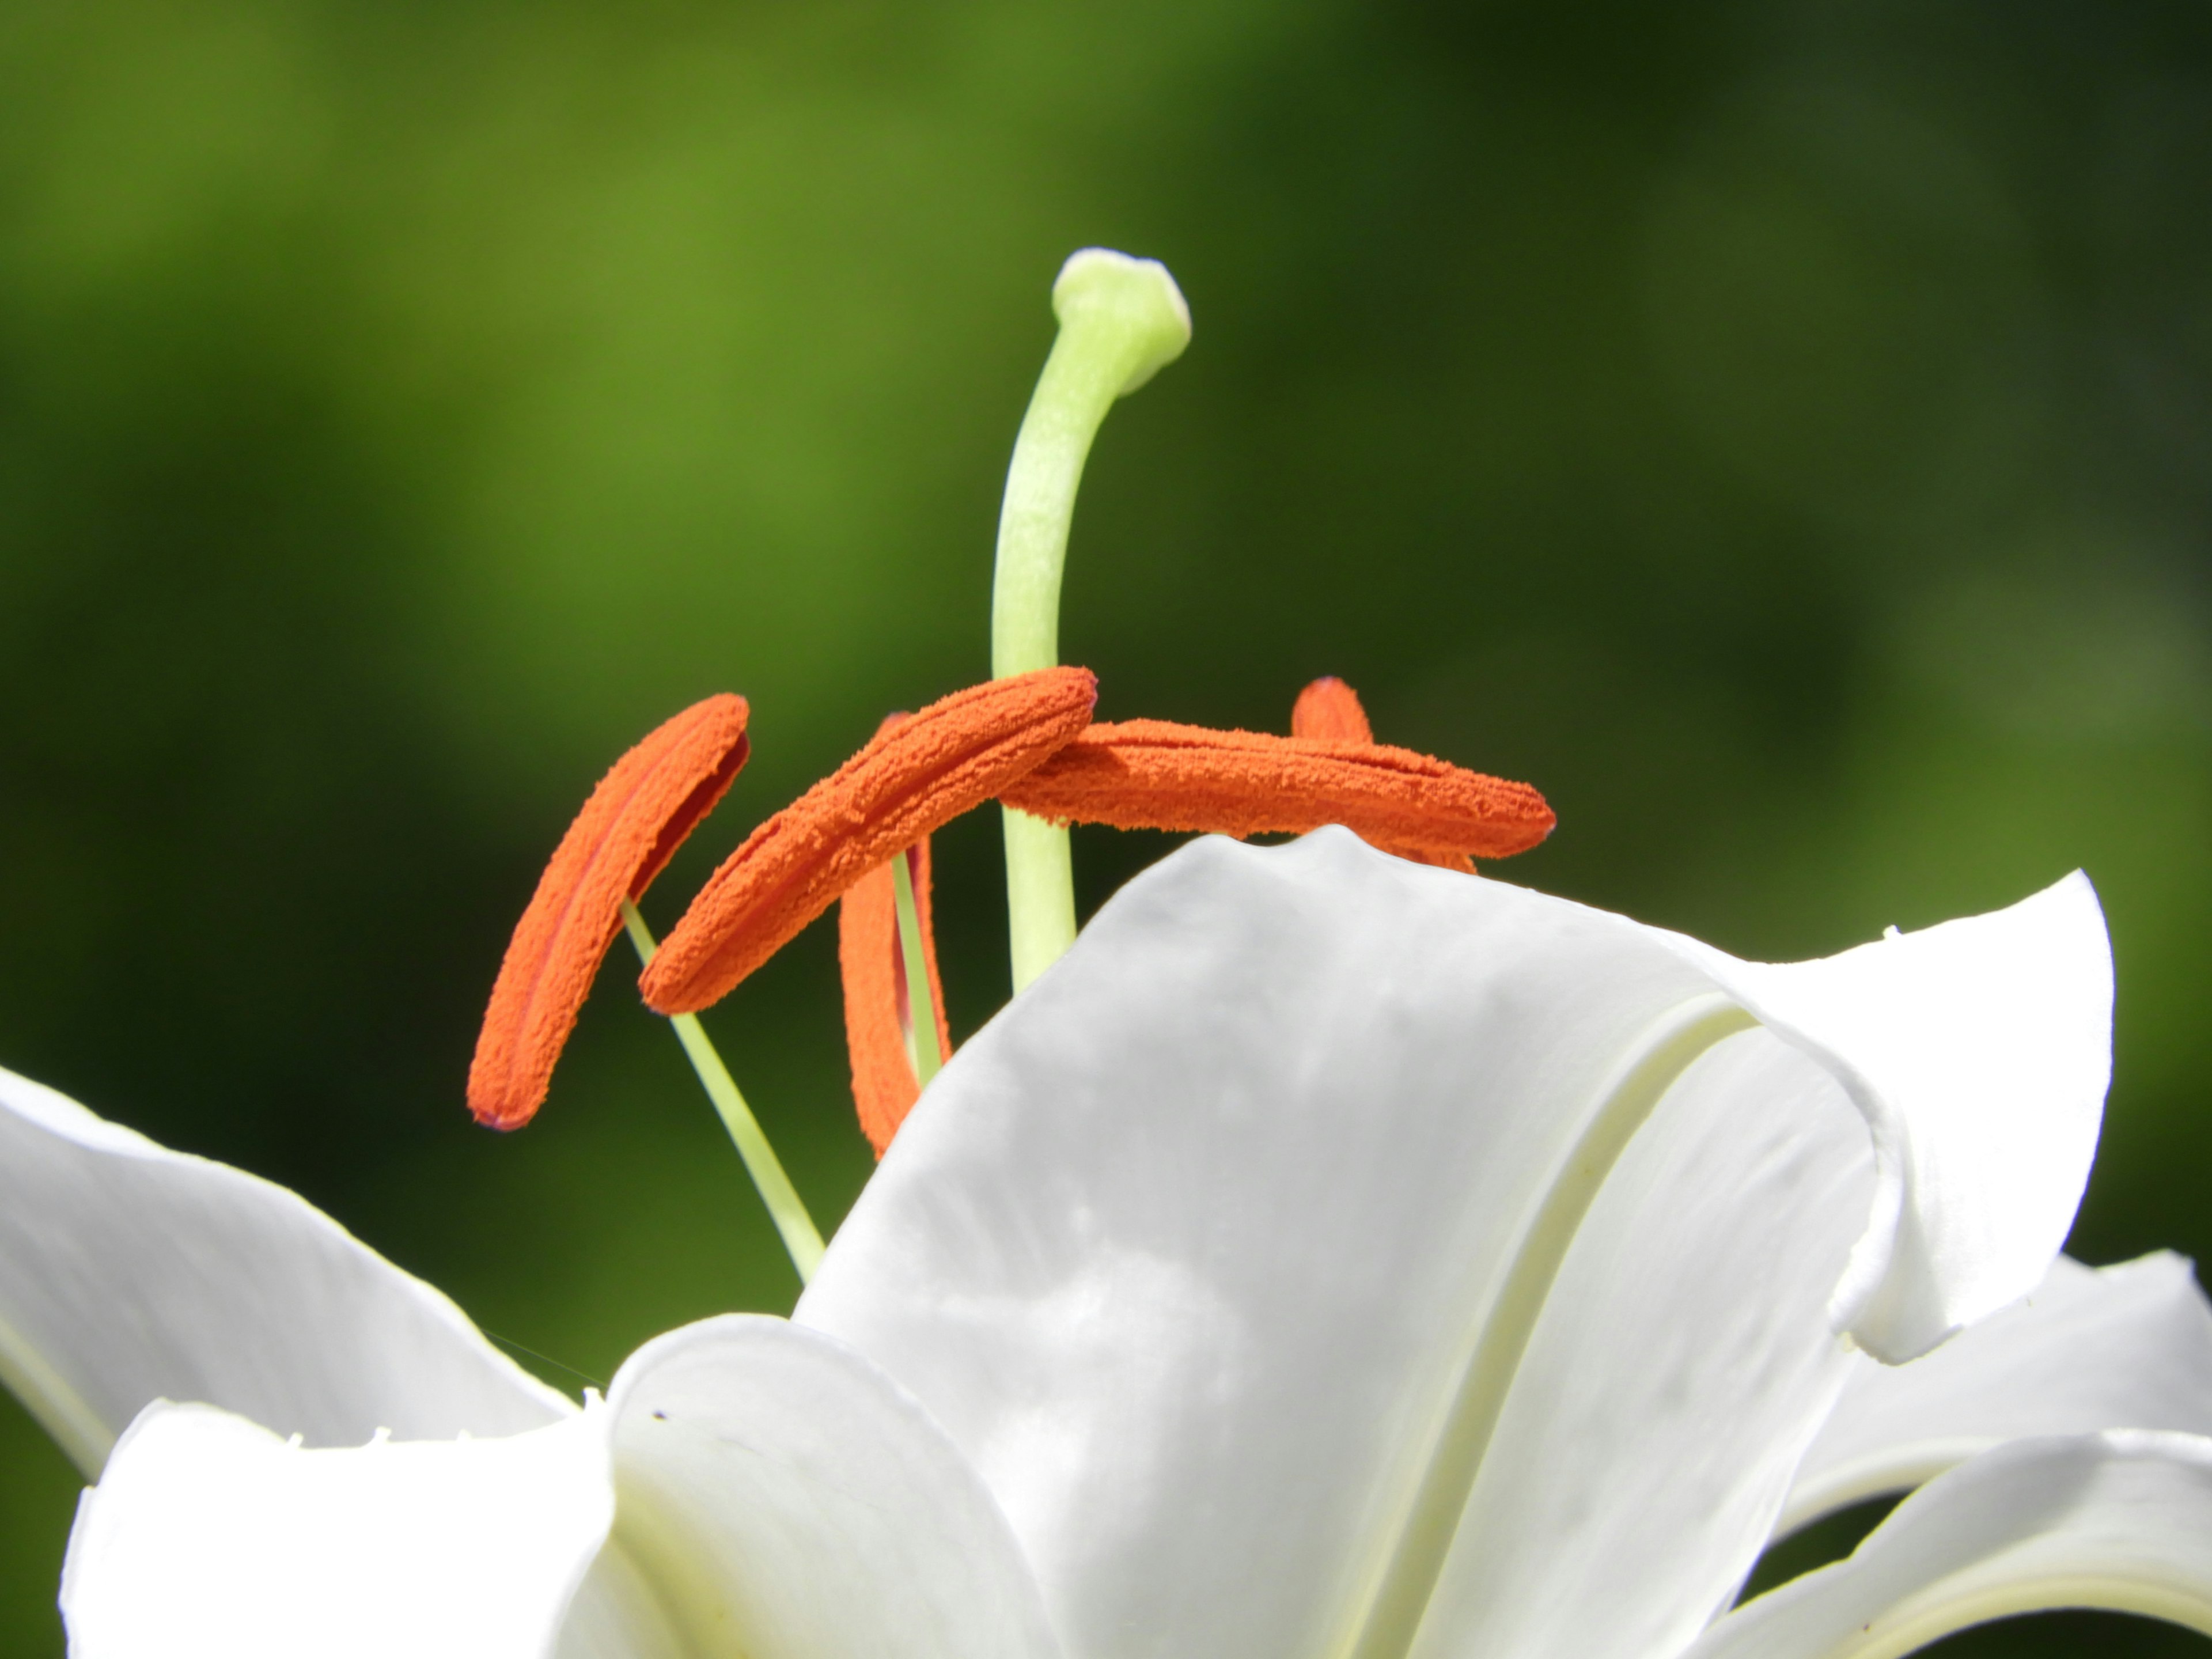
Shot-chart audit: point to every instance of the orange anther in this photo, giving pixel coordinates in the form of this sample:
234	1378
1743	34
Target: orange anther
1329	711
910	780
1153	774
877	1016
633	824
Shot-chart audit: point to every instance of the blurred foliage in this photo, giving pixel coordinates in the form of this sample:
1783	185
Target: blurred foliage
1780	432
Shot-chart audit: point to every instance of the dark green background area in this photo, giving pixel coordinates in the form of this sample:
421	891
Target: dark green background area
1783	433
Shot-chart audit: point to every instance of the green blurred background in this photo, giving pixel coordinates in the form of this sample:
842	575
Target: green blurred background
1782	433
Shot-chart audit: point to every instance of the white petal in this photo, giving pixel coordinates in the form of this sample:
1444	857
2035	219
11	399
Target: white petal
2127	1347
618	1614
2120	1521
751	1487
1191	1249
210	1536
1980	1051
1682	1360
130	1273
1187	1248
785	1499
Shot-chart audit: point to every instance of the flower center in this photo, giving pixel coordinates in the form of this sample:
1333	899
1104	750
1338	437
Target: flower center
861	835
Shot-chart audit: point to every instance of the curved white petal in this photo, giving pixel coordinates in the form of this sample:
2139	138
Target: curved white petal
1202	1250
618	1614
2120	1521
1980	1051
749	1487
2128	1346
210	1538
1186	1249
1683	1359
782	1497
129	1273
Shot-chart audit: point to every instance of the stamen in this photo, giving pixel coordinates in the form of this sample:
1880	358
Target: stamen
880	994
635	819
1154	775
887	958
957	753
1329	711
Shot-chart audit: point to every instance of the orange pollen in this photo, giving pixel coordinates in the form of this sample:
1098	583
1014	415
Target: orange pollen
910	780
635	819
1329	711
1154	775
877	1016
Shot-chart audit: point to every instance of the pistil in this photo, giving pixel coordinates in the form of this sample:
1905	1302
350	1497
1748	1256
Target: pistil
1121	321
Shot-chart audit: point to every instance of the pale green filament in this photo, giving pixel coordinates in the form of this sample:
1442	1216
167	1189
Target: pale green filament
1121	321
800	1237
920	1005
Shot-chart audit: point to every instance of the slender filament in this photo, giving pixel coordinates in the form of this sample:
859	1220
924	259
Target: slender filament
921	1007
796	1229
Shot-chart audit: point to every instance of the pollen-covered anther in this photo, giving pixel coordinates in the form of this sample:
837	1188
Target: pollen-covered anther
1155	774
1329	711
629	828
911	779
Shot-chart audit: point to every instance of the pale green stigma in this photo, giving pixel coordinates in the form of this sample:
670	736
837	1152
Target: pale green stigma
1121	321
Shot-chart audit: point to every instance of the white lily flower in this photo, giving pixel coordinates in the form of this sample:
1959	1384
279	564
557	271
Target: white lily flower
1327	1256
